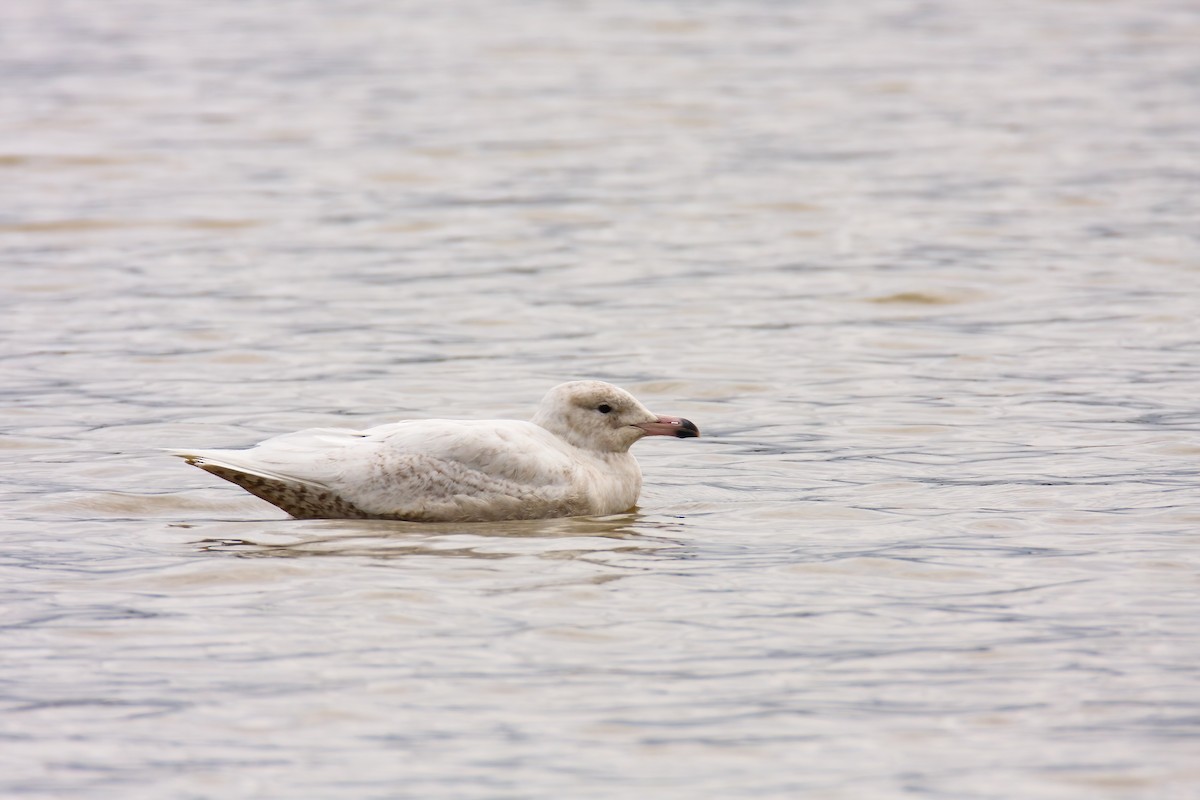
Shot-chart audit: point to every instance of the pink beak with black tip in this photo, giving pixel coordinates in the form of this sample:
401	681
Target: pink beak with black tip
670	426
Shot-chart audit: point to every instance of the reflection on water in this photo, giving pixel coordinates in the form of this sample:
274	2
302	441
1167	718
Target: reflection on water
920	270
574	537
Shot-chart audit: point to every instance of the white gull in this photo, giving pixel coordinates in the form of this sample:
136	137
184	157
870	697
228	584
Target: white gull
571	459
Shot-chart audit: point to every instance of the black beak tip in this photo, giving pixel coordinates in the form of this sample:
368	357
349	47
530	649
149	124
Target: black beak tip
687	429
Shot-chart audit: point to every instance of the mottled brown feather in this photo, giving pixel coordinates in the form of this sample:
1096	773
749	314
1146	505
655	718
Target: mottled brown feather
297	499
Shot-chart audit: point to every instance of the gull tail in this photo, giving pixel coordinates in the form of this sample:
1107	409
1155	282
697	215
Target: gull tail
303	499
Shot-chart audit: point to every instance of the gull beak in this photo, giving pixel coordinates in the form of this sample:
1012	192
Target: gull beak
670	426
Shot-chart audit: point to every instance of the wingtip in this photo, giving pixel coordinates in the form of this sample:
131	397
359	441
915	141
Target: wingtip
190	458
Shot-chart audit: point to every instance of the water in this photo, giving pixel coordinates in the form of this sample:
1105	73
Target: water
924	273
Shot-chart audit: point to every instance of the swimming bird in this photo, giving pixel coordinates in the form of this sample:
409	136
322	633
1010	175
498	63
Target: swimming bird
571	459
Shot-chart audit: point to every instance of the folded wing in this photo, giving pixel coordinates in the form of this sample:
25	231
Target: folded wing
417	470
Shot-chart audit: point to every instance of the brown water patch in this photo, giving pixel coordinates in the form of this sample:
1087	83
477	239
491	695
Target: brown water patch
148	505
66	226
789	207
919	298
417	226
56	161
217	224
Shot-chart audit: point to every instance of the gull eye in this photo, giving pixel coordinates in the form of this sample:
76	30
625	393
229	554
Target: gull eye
604	408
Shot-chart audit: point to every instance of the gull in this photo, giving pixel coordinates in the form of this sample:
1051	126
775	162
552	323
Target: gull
571	459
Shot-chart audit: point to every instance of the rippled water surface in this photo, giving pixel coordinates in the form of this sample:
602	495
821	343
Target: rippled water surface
924	273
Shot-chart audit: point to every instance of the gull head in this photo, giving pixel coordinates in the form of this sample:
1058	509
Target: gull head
593	415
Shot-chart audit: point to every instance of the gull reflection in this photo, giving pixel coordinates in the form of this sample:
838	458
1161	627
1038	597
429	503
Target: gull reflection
567	537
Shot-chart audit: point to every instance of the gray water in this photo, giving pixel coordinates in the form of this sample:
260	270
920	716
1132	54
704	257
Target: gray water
924	273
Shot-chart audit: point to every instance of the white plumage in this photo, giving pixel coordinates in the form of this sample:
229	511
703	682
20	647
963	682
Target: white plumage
571	459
